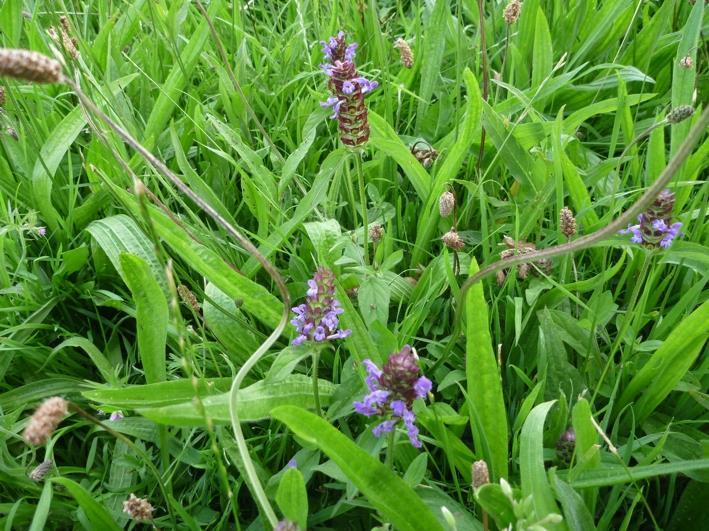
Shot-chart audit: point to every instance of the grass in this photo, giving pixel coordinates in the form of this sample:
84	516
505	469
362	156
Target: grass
170	308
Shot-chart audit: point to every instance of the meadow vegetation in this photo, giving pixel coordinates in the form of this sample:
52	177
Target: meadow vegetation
411	265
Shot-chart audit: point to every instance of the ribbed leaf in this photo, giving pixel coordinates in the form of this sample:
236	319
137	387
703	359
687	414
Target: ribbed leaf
255	402
96	513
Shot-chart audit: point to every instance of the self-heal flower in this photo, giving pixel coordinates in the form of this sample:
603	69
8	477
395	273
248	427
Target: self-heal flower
654	227
392	391
348	90
317	319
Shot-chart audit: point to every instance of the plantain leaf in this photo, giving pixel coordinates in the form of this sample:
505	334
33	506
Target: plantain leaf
96	513
255	402
151	316
484	382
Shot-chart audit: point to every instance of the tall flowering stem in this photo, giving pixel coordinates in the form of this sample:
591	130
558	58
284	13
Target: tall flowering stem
317	320
392	391
348	89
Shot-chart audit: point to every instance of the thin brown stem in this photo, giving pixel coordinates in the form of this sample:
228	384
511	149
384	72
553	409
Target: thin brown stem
621	222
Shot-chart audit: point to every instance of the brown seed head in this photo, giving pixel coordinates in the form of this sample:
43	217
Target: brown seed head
138	508
511	12
2	96
187	297
679	114
453	240
29	65
376	232
405	53
567	222
481	475
686	62
446	204
45	420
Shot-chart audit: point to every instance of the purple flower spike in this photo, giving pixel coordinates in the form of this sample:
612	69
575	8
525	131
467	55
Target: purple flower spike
393	390
654	226
317	319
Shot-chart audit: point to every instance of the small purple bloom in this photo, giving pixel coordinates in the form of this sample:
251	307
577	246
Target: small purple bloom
654	225
41	231
317	319
292	463
116	416
393	390
348	87
335	103
384	427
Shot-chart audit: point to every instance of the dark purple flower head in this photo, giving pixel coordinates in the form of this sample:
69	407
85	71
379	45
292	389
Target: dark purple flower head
348	89
392	391
317	319
654	225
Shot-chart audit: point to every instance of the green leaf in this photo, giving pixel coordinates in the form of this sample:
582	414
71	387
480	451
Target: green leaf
50	156
156	394
496	504
255	402
292	498
434	48
385	139
543	55
373	297
484	382
96	356
390	495
96	513
576	516
119	234
531	463
42	511
668	364
618	475
151	316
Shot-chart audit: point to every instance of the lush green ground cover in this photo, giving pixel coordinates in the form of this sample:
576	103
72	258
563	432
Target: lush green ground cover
120	293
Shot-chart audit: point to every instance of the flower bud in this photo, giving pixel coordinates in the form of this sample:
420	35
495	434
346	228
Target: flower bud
686	62
512	11
29	65
452	240
567	222
40	471
376	232
481	475
138	508
446	204
565	446
405	53
679	114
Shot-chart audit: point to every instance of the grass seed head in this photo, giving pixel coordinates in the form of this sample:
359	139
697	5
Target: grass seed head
29	66
686	62
41	470
376	232
481	475
453	240
2	97
679	114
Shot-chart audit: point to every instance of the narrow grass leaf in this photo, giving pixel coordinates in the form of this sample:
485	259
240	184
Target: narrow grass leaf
41	512
433	56
96	513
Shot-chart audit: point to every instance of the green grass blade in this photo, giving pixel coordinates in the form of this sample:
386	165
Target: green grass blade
96	513
390	495
41	513
434	48
666	367
618	475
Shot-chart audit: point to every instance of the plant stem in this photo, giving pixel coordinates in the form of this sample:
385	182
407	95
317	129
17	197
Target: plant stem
363	205
252	477
389	460
316	387
486	75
